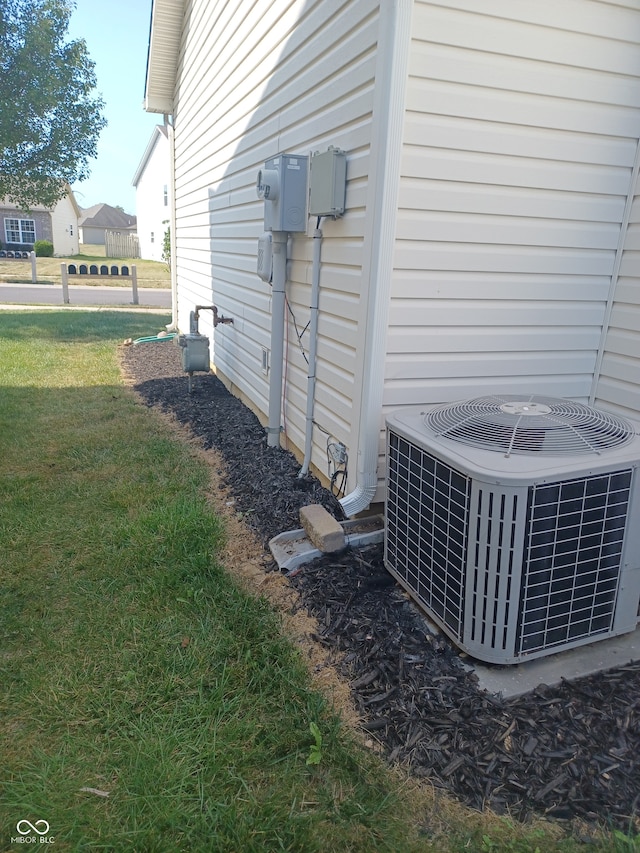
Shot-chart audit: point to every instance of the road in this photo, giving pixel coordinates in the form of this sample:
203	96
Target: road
13	295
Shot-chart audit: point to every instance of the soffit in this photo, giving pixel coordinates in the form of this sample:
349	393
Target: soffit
162	59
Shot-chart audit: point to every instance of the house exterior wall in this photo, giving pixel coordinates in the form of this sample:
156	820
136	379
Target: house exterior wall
153	199
64	227
522	122
42	225
299	82
518	155
618	378
93	236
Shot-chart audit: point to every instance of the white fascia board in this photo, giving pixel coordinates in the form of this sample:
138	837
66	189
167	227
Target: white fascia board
158	104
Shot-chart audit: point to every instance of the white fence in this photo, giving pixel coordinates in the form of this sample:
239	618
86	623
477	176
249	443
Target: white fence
120	244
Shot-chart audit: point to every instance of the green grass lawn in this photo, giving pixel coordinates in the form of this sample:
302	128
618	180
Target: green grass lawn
147	703
149	273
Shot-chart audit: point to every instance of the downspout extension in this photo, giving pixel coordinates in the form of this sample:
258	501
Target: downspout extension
313	349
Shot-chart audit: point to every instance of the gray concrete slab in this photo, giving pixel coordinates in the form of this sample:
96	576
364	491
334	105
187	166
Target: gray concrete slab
575	663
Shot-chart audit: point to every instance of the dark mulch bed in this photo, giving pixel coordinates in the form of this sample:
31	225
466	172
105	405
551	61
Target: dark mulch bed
568	751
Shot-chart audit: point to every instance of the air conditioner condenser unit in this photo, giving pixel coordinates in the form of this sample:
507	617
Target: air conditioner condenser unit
510	520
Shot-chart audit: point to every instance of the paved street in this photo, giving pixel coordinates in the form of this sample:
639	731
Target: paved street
12	295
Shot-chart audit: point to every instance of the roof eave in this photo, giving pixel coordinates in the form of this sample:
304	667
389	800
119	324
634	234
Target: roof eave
158	132
157	104
162	58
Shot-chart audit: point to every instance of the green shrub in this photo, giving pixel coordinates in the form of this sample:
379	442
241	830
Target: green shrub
43	248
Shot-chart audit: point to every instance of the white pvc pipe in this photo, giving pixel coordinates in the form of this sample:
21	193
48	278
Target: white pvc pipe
313	349
279	244
393	52
172	223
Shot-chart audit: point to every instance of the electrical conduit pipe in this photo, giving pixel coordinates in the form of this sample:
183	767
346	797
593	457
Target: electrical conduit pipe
313	348
279	278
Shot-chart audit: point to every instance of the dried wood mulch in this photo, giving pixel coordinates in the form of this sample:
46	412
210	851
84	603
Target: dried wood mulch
571	751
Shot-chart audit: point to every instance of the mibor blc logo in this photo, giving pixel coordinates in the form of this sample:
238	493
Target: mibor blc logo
33	833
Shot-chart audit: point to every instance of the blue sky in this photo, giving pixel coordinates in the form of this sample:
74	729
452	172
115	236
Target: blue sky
117	37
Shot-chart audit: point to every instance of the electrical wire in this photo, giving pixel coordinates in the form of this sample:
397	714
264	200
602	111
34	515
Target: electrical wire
341	491
340	468
299	334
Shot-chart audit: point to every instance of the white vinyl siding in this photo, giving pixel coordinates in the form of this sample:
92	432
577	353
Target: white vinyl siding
64	227
519	143
512	225
258	79
618	382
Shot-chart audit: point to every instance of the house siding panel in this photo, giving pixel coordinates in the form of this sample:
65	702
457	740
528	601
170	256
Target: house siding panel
519	143
64	228
258	79
617	385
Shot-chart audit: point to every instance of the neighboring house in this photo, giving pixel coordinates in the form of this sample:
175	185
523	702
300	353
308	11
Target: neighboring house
97	220
491	236
59	225
151	181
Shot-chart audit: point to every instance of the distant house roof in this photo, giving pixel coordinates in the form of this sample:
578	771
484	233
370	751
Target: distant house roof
68	193
105	216
159	131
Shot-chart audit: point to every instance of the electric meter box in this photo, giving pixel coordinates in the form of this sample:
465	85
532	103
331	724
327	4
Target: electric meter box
328	182
282	184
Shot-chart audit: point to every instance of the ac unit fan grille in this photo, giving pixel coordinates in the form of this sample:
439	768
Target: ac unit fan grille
528	425
573	550
427	511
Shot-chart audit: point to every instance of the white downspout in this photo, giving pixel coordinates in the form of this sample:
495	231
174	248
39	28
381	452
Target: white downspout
172	223
279	243
313	349
393	50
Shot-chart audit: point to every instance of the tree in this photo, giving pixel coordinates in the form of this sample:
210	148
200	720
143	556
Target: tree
166	244
50	117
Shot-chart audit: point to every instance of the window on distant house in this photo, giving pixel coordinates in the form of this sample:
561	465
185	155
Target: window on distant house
166	195
71	230
20	230
153	237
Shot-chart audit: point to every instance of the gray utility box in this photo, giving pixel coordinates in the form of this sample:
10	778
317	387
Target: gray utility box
282	184
195	352
327	183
